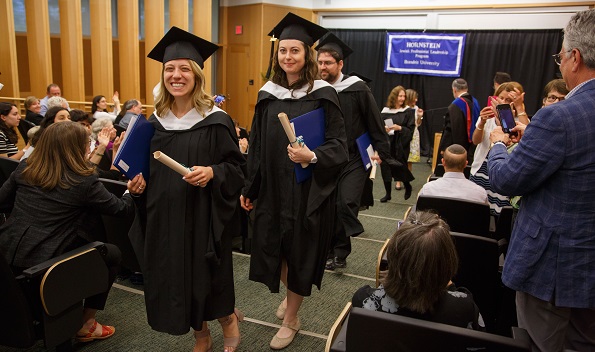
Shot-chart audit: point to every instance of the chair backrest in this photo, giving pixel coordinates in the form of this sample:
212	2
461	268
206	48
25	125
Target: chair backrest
478	272
337	328
461	216
379	331
16	321
116	228
7	166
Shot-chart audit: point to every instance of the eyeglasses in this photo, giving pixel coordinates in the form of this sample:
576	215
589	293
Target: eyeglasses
553	98
558	57
327	63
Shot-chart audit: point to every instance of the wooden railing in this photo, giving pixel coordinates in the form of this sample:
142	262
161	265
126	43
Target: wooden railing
81	105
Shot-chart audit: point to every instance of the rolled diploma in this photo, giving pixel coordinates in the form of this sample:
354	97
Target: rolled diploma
374	167
171	163
290	134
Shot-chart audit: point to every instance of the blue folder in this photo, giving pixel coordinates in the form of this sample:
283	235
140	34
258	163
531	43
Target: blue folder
311	126
363	142
134	154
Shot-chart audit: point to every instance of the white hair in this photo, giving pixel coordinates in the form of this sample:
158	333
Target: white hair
57	101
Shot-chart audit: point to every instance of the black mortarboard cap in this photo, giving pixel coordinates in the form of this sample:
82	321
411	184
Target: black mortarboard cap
331	42
179	44
293	26
362	77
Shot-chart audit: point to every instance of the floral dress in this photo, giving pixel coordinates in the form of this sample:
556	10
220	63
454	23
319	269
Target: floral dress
414	151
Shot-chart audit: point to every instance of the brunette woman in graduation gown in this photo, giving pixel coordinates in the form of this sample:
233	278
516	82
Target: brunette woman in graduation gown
182	232
293	222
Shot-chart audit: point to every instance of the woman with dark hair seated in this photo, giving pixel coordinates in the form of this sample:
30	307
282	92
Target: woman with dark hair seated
53	195
422	259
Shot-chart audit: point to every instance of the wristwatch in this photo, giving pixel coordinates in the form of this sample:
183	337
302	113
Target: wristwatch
314	159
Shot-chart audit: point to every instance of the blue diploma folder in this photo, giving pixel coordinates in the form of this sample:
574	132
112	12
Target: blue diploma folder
311	126
134	154
363	142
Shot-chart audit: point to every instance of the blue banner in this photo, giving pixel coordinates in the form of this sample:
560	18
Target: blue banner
424	54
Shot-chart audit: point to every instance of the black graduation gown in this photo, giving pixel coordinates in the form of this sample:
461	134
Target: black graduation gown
400	143
182	233
361	115
292	221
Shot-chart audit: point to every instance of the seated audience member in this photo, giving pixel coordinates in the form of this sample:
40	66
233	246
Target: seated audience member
53	115
82	118
53	90
99	107
454	184
554	92
33	108
422	259
57	102
105	160
133	108
9	121
66	194
500	78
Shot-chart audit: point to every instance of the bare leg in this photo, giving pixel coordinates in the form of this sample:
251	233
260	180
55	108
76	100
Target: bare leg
294	302
203	339
88	318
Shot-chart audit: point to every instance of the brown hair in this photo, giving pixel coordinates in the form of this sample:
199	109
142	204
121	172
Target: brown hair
10	132
421	261
308	74
557	85
391	102
200	99
59	156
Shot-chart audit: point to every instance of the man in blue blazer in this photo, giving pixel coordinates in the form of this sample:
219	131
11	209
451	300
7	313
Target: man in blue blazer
551	258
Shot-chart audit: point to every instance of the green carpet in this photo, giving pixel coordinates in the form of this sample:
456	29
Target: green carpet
126	309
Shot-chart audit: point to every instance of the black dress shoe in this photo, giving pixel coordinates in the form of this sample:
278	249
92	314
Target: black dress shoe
330	264
385	199
408	190
340	263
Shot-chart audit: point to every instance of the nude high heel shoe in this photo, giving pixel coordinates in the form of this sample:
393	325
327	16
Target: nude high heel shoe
231	343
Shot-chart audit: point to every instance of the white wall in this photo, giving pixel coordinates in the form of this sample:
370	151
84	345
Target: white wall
433	14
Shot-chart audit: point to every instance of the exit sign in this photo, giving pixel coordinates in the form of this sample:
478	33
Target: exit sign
239	29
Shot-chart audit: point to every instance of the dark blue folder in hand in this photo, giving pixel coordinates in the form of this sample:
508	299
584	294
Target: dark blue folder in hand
363	143
134	154
311	126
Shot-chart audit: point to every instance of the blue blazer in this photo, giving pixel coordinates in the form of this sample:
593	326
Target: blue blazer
552	250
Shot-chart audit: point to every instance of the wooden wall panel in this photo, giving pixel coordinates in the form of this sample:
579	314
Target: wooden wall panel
8	51
71	44
252	48
202	23
38	45
178	13
129	56
154	31
101	48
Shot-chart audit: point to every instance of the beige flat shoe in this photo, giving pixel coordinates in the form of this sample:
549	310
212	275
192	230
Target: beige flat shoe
278	343
281	310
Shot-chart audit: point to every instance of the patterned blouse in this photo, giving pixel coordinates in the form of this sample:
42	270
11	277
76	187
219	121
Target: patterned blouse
454	307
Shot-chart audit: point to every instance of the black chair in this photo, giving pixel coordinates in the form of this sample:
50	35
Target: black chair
7	166
116	228
46	301
461	216
365	330
119	129
504	228
479	272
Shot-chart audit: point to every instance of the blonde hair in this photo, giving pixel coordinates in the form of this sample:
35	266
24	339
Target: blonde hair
59	155
410	97
200	99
